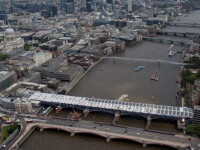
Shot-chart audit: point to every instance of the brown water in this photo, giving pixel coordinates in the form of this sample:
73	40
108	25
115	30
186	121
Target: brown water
110	79
131	121
54	140
193	17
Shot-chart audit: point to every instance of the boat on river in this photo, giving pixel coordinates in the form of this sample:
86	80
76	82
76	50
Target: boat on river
171	53
139	68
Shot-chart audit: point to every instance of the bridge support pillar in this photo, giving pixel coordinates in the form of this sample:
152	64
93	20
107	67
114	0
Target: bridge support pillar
148	122
108	139
72	133
86	112
116	118
144	144
41	129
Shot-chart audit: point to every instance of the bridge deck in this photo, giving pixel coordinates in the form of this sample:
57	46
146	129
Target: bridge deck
107	131
131	107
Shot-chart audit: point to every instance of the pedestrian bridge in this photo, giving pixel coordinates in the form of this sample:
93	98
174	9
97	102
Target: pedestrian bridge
110	106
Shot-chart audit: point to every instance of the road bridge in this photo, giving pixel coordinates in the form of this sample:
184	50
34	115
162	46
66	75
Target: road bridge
194	25
107	131
110	106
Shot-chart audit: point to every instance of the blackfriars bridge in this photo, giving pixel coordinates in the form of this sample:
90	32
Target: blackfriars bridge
110	106
107	131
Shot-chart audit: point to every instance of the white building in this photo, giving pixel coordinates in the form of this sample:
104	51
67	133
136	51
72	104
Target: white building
11	41
23	106
41	58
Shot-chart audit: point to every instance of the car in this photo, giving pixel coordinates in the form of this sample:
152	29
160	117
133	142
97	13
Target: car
138	133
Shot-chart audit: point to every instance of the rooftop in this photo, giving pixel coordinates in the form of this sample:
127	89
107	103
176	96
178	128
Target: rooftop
171	111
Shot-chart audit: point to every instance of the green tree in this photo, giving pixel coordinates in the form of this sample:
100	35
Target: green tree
198	74
193	129
3	57
27	47
195	62
7	131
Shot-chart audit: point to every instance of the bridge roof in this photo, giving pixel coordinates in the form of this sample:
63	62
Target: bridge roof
170	111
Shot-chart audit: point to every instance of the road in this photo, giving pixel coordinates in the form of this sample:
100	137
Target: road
109	132
105	130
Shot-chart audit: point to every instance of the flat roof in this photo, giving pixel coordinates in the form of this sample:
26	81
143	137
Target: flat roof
170	111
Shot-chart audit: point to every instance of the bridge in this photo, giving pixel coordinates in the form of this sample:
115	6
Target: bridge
194	25
106	131
110	106
170	41
173	33
147	60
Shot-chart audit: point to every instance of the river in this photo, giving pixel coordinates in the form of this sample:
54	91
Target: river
110	79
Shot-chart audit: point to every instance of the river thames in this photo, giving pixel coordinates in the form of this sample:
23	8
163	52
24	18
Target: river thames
110	79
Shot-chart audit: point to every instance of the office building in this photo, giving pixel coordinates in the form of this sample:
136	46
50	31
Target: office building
130	3
69	8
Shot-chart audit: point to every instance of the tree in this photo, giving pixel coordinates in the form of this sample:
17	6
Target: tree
27	47
3	57
198	74
195	61
193	129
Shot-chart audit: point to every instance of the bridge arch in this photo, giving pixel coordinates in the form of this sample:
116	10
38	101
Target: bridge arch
53	128
71	131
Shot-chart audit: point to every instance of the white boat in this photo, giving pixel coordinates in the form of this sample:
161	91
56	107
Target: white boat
171	53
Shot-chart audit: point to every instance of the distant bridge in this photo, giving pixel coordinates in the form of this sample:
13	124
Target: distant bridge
170	41
194	25
110	106
174	33
148	60
107	131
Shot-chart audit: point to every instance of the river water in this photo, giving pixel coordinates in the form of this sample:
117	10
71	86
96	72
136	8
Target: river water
52	140
110	79
113	77
193	17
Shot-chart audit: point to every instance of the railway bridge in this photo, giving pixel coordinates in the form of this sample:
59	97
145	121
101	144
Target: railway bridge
194	25
174	33
111	106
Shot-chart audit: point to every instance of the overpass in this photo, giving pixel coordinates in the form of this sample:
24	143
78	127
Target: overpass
194	25
110	106
106	131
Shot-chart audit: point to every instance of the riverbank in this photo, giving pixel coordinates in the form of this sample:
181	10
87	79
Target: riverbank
80	76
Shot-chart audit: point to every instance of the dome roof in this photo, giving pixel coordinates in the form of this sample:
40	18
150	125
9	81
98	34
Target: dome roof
9	31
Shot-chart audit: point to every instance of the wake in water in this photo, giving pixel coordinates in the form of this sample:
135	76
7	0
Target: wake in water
146	60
